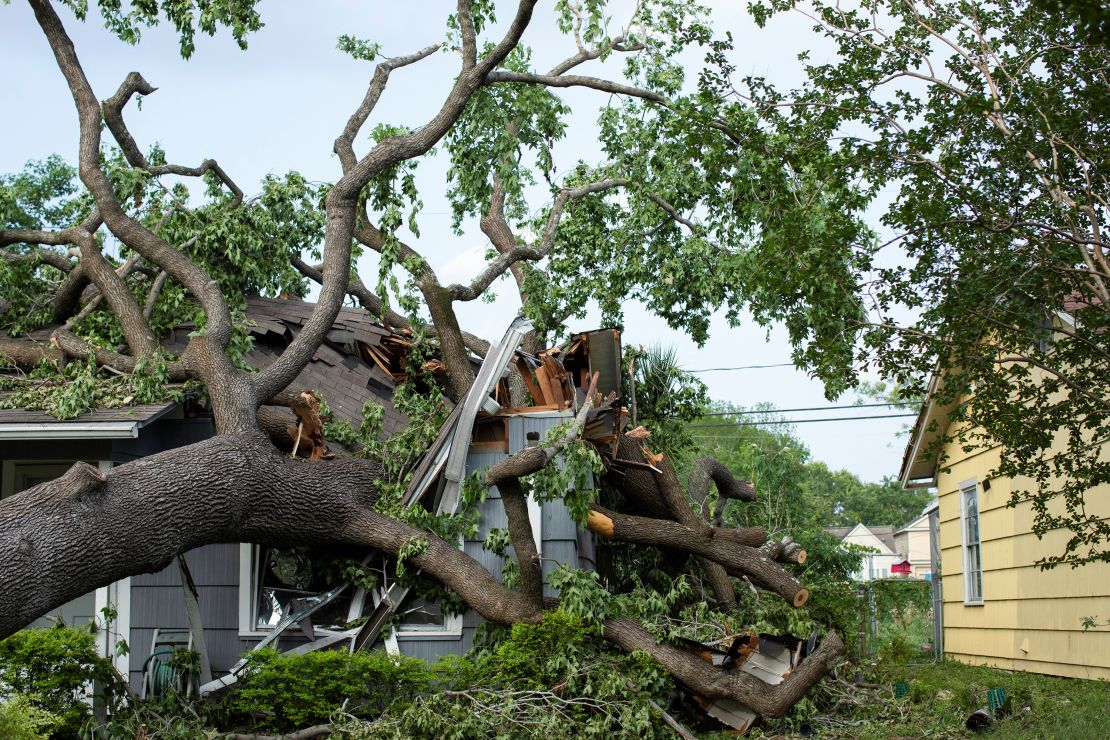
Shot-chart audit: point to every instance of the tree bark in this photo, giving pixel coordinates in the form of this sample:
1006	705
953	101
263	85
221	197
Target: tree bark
660	495
715	683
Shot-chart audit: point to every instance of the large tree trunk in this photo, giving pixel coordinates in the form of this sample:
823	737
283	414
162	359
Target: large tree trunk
89	528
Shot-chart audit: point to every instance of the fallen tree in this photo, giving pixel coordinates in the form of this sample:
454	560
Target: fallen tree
62	538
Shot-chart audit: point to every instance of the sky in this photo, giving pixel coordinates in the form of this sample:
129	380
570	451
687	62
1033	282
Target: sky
279	105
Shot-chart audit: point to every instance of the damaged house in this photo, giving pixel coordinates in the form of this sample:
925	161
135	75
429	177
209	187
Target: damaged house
223	600
244	596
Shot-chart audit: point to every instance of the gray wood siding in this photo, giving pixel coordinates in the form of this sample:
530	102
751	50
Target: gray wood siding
558	535
157	602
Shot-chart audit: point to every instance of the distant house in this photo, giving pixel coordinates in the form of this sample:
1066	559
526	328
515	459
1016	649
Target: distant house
912	543
999	608
881	558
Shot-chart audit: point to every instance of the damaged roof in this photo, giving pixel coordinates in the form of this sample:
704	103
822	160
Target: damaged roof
350	368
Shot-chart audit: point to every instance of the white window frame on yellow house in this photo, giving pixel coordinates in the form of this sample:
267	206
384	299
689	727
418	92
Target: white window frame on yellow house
972	551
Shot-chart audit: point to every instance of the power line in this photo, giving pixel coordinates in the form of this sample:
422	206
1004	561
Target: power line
741	367
801	421
811	408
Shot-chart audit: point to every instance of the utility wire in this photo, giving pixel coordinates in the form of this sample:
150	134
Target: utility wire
741	367
810	408
801	421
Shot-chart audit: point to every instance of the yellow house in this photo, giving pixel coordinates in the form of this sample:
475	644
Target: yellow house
999	609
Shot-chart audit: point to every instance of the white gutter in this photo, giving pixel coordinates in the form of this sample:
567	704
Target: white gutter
76	430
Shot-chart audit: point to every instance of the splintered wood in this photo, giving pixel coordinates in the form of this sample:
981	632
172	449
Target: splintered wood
308	433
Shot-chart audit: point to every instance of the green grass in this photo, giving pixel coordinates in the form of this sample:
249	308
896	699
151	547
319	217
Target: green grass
941	697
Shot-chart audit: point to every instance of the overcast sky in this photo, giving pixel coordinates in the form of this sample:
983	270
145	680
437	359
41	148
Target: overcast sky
278	107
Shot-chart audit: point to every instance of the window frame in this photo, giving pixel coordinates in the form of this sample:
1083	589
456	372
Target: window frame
452	626
971	551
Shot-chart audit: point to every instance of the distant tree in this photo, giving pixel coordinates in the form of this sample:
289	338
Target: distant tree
846	500
987	124
667	398
802	493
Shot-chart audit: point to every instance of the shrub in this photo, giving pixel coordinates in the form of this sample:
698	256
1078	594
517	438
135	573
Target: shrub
285	692
538	655
22	720
52	667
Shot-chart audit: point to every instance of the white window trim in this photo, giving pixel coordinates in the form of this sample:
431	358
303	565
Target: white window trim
118	596
247	601
973	485
452	627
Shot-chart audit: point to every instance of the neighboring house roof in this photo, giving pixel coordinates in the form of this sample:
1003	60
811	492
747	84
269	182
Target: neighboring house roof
921	522
884	533
919	462
120	423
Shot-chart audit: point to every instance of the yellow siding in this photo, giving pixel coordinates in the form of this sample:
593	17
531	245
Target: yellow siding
1030	619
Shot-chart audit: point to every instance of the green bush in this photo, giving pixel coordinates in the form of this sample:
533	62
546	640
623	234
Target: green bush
538	655
22	720
52	667
284	692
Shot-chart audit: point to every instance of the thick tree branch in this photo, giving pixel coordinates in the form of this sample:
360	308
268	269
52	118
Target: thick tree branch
24	353
739	559
207	353
344	144
342	210
136	330
62	538
527	556
617	43
113	118
713	682
56	260
78	348
466	31
564	80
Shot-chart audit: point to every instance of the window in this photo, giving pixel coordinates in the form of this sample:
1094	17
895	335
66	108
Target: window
274	582
973	564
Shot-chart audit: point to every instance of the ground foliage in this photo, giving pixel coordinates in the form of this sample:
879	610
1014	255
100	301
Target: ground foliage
941	696
285	692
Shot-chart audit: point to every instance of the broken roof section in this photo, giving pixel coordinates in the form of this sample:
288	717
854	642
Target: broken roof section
358	361
551	378
769	658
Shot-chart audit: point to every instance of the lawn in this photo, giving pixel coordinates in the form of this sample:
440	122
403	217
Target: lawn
939	697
